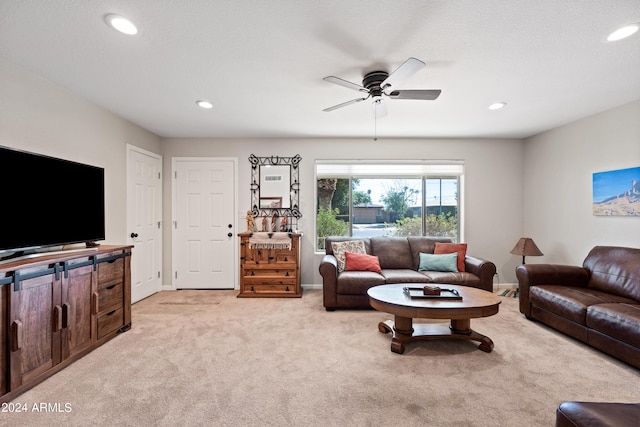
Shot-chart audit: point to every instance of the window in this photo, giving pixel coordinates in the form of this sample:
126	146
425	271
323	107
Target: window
366	199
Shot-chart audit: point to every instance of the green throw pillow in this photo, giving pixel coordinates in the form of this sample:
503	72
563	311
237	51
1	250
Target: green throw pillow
440	262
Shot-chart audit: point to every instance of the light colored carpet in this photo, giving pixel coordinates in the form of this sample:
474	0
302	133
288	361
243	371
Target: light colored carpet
208	358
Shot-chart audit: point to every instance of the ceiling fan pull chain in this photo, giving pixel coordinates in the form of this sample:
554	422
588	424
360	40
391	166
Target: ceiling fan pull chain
375	127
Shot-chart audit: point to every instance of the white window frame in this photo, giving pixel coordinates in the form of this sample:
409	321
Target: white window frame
424	169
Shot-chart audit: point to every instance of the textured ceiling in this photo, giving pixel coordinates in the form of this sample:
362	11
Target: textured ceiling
261	63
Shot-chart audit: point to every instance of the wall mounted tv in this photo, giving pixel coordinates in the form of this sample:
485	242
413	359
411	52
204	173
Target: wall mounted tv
48	202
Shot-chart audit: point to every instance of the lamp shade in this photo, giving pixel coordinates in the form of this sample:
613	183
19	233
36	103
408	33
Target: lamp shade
526	247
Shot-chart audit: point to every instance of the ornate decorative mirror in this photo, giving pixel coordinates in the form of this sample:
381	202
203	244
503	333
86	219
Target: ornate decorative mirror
274	188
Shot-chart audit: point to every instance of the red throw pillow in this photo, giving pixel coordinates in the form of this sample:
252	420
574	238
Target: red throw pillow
361	262
448	248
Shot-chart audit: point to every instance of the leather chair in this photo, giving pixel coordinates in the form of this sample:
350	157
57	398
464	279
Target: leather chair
598	414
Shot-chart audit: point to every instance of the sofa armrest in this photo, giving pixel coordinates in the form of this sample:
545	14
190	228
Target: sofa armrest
484	269
547	274
329	272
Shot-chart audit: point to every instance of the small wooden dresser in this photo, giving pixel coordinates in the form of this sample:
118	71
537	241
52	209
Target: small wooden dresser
269	272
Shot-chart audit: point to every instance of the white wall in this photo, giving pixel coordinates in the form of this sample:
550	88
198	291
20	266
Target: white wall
558	172
39	116
553	169
493	185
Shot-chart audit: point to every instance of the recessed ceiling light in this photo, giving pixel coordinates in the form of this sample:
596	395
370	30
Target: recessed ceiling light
204	104
623	32
121	24
497	105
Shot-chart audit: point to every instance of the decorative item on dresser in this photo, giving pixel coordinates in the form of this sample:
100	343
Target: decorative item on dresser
56	308
269	265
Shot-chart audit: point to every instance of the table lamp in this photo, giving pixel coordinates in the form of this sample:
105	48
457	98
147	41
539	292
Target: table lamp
526	247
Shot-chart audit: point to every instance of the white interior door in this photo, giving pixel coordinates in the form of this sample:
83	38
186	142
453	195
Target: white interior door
144	213
204	239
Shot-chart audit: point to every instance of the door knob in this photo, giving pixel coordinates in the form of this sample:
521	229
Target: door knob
134	235
229	234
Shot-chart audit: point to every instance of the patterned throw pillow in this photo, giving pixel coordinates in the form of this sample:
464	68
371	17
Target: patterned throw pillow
339	249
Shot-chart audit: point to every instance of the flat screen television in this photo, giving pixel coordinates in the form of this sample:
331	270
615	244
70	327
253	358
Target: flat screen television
48	202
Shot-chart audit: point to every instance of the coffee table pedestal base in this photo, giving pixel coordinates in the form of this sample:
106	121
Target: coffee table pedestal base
404	331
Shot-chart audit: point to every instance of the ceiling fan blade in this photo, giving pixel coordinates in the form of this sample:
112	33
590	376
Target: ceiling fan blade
428	95
342	82
344	104
379	108
403	72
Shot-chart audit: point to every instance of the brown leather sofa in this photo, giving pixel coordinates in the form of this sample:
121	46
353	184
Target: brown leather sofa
598	303
597	414
399	260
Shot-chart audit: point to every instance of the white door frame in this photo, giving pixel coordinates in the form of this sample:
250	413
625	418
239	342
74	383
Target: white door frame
174	210
158	213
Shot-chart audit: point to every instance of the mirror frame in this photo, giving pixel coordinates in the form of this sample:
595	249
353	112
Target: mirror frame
293	211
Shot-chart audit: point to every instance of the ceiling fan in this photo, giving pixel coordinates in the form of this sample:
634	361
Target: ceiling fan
378	83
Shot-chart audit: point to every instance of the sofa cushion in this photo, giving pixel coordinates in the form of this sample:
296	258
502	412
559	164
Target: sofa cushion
393	252
447	248
615	270
357	282
620	321
425	245
460	278
361	262
570	302
404	275
441	262
340	248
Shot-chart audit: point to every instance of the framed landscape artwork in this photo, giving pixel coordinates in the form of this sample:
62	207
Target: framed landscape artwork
270	202
617	192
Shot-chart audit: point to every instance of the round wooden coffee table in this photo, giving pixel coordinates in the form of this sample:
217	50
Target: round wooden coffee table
392	299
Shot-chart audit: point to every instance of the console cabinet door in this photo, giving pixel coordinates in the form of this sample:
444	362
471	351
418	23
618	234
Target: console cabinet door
78	286
4	336
34	328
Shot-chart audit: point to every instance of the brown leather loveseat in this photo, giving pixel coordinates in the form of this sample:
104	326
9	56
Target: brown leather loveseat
399	259
598	303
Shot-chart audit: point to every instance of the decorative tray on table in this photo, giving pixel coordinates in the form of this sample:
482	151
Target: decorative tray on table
432	293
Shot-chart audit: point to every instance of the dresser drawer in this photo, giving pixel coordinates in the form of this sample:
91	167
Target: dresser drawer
257	280
286	257
110	322
110	271
271	272
110	298
268	289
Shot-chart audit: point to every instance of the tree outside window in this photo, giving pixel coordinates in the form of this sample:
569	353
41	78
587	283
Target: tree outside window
387	206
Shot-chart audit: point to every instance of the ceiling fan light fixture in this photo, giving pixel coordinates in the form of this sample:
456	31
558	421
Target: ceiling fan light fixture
497	105
204	104
623	32
121	24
